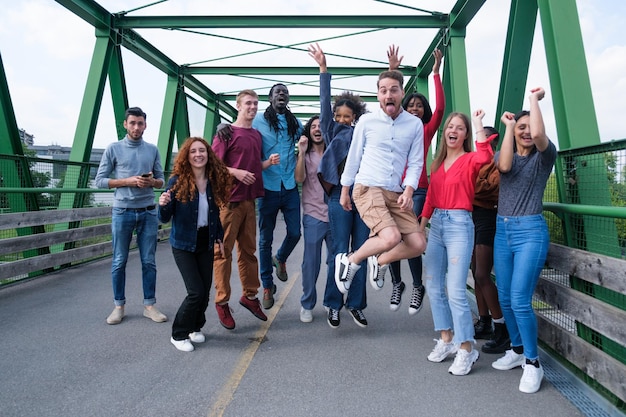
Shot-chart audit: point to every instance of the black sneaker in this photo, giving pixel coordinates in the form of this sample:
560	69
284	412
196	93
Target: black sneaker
358	317
417	297
396	296
333	318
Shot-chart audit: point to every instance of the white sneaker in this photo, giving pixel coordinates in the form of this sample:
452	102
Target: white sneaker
442	350
182	345
510	360
463	362
306	316
376	272
344	272
197	337
531	378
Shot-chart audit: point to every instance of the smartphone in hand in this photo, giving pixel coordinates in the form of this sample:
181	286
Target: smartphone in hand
147	175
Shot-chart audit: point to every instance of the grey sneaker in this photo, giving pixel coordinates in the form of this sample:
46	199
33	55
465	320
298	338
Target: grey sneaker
116	315
442	350
281	269
306	316
155	315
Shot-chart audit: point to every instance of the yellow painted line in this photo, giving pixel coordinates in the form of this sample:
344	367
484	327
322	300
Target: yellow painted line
225	396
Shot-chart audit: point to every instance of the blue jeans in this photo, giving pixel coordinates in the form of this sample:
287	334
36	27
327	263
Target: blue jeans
349	233
519	253
288	201
315	232
449	251
123	223
415	264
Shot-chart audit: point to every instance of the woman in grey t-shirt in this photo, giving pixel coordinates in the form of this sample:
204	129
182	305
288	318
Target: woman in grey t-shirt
525	162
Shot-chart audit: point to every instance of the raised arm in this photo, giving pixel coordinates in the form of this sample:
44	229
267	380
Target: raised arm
505	160
537	127
326	111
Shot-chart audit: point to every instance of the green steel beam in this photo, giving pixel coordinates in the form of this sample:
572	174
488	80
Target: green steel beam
10	171
281	21
211	120
457	92
182	118
119	92
575	114
425	65
87	121
166	131
356	71
463	12
90	11
517	49
292	98
569	78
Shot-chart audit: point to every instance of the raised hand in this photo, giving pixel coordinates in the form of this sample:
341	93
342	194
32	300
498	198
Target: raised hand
438	56
508	118
303	144
538	92
392	56
315	52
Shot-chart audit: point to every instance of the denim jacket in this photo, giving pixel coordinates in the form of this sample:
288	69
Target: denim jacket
185	219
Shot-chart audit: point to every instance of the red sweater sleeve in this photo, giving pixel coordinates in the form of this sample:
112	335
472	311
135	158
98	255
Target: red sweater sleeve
431	127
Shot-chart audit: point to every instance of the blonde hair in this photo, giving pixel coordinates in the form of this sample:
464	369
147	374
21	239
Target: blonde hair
442	151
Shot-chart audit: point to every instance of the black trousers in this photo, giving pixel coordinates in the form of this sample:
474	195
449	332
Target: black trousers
196	269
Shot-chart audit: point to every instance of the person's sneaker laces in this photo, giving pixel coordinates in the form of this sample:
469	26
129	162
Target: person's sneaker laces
358	317
376	272
531	378
333	318
510	360
268	297
344	272
226	318
182	345
281	269
197	337
396	296
442	350
417	297
306	316
463	362
253	306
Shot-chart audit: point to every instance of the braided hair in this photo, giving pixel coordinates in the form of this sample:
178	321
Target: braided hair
272	117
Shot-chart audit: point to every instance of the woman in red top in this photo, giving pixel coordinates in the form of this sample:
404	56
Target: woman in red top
448	206
417	105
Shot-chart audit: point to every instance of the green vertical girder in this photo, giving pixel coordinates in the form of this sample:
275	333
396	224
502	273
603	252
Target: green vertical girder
182	118
10	144
119	93
574	111
517	49
87	120
211	120
457	90
168	117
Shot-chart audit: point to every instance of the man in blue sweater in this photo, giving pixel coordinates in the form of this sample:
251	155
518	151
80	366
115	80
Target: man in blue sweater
136	166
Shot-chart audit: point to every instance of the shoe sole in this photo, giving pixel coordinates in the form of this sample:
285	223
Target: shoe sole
506	368
413	311
338	282
372	273
444	358
394	307
358	323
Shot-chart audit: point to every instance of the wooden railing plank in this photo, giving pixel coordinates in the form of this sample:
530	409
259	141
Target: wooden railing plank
38	218
40	240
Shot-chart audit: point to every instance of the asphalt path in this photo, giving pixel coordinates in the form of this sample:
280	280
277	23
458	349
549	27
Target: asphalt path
58	357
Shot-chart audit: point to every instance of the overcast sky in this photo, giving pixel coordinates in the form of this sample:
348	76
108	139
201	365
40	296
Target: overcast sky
46	52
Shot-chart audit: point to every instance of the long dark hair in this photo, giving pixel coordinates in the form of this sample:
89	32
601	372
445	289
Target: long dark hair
307	131
428	112
272	117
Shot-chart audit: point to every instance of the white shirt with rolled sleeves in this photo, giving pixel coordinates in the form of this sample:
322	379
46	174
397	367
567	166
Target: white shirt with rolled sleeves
381	148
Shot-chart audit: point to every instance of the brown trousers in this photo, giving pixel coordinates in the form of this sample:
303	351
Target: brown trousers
239	222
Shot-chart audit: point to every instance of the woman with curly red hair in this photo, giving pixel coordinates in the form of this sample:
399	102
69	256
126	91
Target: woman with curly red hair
199	185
